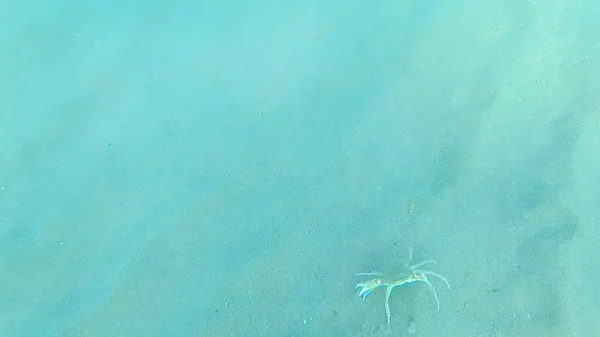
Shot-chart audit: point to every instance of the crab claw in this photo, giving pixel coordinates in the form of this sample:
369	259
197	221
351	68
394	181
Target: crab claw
364	291
367	287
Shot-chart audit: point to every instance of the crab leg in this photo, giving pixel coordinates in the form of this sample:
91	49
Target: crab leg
422	263
388	293
433	291
434	274
373	273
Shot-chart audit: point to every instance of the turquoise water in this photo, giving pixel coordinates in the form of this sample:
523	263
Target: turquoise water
224	169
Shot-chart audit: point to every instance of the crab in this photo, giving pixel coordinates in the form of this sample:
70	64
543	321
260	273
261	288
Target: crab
407	273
